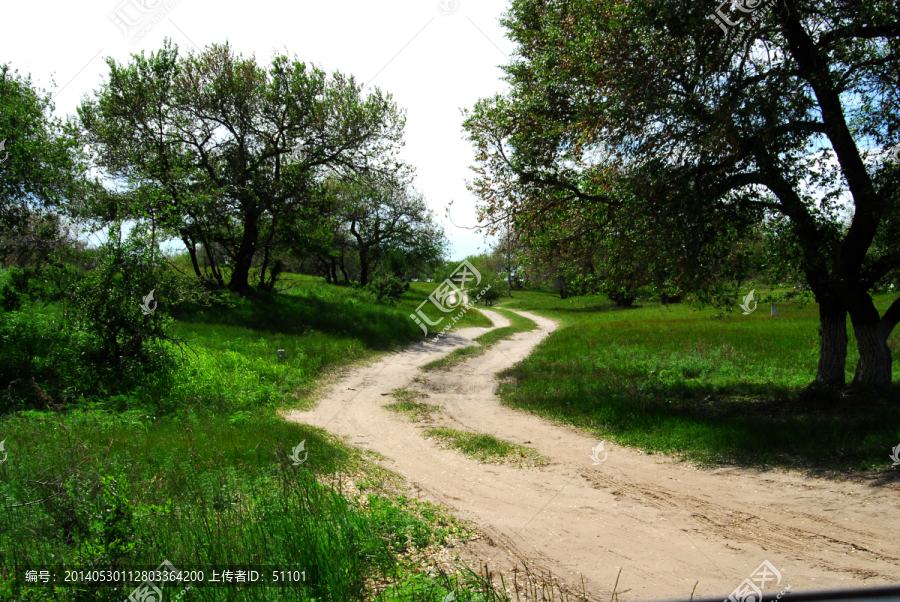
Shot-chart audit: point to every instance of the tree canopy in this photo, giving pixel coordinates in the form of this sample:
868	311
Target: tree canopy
642	116
223	153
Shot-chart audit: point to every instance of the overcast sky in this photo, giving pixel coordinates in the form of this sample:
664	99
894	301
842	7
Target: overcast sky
434	58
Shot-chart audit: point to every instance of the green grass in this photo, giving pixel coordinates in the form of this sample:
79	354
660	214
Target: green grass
700	384
487	448
191	465
199	491
408	405
485	341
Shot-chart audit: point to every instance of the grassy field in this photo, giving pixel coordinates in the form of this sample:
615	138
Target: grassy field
702	384
194	466
186	460
419	292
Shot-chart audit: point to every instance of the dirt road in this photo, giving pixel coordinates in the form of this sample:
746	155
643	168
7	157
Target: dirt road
666	524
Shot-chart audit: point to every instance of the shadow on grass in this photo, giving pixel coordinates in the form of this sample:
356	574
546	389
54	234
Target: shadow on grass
746	424
333	310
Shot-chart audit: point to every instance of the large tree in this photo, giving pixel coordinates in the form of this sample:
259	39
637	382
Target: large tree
221	152
43	171
647	108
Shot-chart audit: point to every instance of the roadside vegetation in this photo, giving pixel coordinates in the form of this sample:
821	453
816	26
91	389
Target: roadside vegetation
132	467
708	385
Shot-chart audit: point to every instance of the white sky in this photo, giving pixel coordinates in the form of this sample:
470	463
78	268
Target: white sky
434	63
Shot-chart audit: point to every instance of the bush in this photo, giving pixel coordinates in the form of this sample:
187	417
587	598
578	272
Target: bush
125	300
387	287
491	287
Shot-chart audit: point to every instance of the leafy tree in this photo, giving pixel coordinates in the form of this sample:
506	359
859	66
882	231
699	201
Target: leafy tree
385	217
221	152
43	171
649	116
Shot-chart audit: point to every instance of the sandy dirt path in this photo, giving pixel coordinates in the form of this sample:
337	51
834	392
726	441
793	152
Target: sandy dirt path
665	523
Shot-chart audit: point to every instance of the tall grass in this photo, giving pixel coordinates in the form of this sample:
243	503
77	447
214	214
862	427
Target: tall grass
90	490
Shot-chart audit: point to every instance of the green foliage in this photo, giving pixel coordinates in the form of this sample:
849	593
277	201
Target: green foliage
489	290
244	192
124	301
386	287
43	159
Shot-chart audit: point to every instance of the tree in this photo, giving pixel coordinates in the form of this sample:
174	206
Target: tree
43	171
221	152
647	109
386	216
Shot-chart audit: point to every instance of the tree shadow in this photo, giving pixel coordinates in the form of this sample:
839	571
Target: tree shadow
378	327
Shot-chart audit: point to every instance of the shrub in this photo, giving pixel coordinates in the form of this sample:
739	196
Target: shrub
387	287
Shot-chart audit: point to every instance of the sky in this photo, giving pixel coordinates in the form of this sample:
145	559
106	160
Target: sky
435	56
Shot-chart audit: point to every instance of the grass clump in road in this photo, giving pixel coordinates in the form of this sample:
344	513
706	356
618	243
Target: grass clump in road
487	448
699	385
406	404
485	341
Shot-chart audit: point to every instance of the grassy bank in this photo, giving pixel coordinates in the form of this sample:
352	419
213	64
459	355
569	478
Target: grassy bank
701	384
186	460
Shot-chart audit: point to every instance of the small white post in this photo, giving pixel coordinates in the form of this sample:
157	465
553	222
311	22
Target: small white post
774	309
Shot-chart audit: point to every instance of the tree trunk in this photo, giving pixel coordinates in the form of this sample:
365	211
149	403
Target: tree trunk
873	371
363	266
833	338
334	270
240	276
265	266
322	266
192	251
874	368
212	264
343	271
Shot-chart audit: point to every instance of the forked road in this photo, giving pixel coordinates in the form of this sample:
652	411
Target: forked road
666	524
